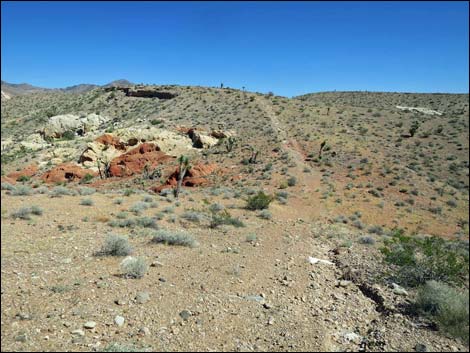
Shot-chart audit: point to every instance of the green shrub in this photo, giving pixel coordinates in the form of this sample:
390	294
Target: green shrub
219	218
260	201
292	181
23	178
68	135
447	306
422	259
86	179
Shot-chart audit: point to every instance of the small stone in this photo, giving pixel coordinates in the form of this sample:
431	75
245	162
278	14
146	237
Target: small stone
399	290
119	320
78	332
161	279
67	260
144	331
267	306
23	316
21	337
89	325
185	314
142	297
344	283
271	321
156	264
421	347
120	302
67	324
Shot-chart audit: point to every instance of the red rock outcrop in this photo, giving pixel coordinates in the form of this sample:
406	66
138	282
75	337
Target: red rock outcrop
134	161
66	172
196	176
29	171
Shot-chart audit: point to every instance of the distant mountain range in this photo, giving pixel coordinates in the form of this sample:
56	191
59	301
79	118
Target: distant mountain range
15	89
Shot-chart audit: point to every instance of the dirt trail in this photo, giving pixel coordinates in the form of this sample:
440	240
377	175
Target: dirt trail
308	182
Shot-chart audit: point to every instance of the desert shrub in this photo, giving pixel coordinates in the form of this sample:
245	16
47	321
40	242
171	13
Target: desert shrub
219	218
36	210
292	181
59	191
447	306
251	238
138	207
118	347
21	190
147	198
122	223
122	215
147	222
84	191
216	207
116	245
134	267
8	186
118	201
68	135
86	202
376	230
174	238
418	259
265	214
358	224
41	190
128	192
86	179
193	216
367	240
260	201
23	178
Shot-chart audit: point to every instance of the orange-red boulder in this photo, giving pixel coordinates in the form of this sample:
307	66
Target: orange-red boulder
108	139
134	161
29	171
66	172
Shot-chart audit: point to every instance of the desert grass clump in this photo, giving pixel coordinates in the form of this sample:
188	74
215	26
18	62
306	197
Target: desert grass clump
25	212
21	190
116	245
118	201
251	238
292	181
59	191
122	223
447	306
147	198
41	190
84	191
174	238
134	267
86	202
138	207
260	201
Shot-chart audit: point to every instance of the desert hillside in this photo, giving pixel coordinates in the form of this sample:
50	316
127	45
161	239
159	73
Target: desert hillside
318	222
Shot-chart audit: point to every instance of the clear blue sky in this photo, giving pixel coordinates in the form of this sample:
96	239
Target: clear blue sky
289	48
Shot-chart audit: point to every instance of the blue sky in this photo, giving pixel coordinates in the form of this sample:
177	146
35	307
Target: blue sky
289	48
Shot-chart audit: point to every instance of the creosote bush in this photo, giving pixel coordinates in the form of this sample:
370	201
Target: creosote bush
445	305
260	201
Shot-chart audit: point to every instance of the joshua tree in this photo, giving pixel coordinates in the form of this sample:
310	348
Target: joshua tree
323	144
414	127
230	143
104	173
221	85
328	111
184	166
